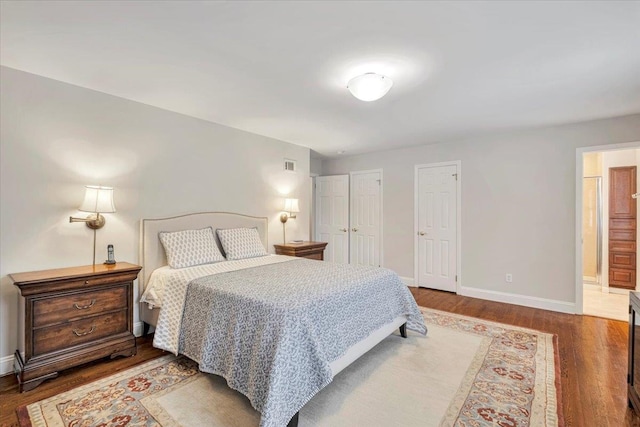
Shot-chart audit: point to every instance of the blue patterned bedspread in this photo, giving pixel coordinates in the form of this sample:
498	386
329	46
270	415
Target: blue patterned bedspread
272	331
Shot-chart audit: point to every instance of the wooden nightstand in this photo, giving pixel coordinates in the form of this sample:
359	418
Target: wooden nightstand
311	250
633	372
73	316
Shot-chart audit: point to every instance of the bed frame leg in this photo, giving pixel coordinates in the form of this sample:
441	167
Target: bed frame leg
145	328
294	420
403	330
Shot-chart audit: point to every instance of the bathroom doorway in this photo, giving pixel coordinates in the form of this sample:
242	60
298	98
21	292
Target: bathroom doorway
609	235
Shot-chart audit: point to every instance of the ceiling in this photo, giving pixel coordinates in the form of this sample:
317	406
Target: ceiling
280	68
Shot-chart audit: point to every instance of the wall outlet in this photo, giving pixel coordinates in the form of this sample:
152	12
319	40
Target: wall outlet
509	278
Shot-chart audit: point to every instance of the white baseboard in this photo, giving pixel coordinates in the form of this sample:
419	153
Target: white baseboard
592	287
6	362
618	291
137	329
527	301
6	365
408	281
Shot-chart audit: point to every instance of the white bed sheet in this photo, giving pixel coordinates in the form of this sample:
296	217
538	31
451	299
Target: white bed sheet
167	276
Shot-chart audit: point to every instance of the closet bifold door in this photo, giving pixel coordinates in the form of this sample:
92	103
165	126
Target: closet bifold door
332	216
622	227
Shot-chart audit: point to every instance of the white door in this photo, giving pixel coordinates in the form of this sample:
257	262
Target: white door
332	216
436	227
366	196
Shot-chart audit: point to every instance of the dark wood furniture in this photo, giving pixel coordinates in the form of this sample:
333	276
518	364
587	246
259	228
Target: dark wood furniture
73	316
633	372
311	250
622	227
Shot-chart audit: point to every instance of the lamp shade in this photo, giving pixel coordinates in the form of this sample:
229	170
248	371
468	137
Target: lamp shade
369	86
98	199
291	205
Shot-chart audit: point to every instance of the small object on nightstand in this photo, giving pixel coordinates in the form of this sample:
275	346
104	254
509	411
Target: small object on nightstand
311	250
297	241
110	257
73	316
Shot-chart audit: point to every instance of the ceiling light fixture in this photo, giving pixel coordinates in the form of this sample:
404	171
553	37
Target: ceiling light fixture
369	86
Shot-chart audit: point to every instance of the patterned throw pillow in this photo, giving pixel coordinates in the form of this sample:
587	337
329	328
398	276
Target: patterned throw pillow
240	243
187	248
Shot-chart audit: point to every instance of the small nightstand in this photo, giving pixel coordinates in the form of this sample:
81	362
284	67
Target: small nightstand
73	316
633	372
311	250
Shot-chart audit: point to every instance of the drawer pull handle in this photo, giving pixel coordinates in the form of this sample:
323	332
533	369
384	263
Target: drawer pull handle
84	307
81	334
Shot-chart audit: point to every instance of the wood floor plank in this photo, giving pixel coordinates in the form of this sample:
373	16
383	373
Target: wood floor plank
592	352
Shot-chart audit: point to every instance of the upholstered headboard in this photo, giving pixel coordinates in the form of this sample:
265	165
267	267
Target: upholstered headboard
152	254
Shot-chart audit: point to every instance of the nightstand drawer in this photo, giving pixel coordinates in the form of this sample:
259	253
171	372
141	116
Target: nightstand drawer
46	340
93	281
68	307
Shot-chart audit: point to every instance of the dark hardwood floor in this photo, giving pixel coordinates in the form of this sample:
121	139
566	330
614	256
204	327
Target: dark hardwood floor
10	399
592	351
593	361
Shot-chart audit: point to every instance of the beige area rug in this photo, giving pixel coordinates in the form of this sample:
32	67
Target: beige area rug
465	372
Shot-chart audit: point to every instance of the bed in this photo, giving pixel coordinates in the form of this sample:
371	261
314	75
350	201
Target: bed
276	328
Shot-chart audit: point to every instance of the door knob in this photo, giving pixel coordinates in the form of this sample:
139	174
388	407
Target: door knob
421	233
343	230
354	229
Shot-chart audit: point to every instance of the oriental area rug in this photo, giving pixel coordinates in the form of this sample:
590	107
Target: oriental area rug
465	372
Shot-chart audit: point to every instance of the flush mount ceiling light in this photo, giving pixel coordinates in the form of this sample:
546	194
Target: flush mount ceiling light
370	86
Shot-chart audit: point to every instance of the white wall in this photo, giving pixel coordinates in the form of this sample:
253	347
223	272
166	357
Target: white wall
316	166
612	159
518	206
55	138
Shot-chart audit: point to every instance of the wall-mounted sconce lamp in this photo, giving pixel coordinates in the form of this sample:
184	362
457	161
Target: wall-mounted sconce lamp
96	200
290	206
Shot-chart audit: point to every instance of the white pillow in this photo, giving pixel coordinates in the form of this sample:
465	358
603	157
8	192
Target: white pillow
187	248
240	243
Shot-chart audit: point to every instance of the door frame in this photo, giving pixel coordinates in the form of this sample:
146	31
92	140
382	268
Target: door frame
312	210
458	165
363	172
578	226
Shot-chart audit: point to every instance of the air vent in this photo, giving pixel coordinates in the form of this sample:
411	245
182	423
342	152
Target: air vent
289	165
